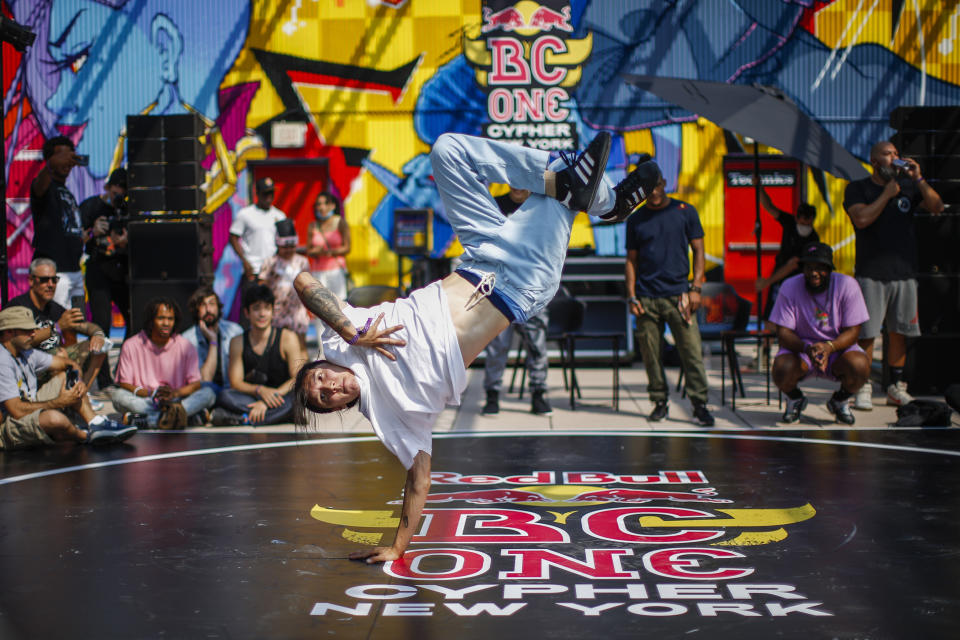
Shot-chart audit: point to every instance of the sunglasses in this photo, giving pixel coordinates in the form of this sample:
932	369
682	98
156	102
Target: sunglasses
46	279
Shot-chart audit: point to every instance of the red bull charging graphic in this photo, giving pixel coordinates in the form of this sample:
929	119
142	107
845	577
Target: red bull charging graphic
588	543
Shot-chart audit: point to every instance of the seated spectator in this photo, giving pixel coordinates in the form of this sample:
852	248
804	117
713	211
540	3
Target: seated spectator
211	335
158	374
32	414
819	314
278	273
52	319
263	366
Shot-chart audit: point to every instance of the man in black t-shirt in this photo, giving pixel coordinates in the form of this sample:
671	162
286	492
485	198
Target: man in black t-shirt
57	232
657	265
533	332
881	209
52	318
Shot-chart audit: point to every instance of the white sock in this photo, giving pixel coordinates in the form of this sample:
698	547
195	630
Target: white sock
97	420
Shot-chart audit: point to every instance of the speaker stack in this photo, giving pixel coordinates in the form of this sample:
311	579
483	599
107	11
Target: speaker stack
170	238
931	136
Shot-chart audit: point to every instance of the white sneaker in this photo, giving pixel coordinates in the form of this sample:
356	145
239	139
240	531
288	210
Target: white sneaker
863	400
897	394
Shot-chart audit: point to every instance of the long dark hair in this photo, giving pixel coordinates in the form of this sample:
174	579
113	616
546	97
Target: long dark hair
302	404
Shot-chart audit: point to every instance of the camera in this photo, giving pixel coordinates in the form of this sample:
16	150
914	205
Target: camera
83	160
73	377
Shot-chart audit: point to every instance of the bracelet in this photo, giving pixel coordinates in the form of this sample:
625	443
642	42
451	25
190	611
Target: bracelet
137	391
99	333
832	348
634	299
360	332
920	179
695	289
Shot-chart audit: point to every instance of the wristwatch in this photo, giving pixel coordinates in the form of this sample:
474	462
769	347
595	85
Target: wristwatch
694	288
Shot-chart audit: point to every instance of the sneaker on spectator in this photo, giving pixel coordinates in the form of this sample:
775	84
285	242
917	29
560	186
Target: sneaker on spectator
660	411
897	394
702	416
863	400
108	432
792	411
493	403
223	418
138	420
172	416
539	403
840	409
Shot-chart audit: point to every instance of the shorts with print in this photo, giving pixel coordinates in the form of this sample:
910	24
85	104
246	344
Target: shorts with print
891	304
78	352
25	432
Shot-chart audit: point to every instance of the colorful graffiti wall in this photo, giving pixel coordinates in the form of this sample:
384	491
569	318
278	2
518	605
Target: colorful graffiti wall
369	85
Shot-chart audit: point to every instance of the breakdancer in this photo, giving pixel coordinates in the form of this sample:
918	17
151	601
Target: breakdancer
404	361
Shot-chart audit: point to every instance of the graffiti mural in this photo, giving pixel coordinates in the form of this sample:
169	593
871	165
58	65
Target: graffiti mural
372	84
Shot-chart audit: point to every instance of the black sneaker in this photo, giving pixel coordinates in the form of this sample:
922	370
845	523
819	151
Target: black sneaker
493	403
660	411
633	190
109	432
220	417
577	184
138	420
841	409
701	416
539	404
792	411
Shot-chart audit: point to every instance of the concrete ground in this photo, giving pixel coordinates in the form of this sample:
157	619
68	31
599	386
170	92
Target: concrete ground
595	411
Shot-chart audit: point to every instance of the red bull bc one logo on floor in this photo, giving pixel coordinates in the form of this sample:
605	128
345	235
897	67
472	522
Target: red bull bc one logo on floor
586	542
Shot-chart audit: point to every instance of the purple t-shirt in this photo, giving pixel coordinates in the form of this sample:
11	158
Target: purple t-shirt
820	317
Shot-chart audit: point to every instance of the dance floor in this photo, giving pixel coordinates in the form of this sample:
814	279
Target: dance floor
830	534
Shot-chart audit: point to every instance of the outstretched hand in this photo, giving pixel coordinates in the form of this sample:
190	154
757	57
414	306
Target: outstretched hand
377	338
376	554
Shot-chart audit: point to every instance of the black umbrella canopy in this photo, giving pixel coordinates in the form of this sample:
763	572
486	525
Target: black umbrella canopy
761	113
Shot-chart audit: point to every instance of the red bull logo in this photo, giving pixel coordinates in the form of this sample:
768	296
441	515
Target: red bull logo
510	19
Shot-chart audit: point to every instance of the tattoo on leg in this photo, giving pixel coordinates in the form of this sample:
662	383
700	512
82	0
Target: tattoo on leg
406	522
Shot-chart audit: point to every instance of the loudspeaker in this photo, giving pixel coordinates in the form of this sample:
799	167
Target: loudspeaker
182	125
925	118
932	363
142	292
188	174
938	237
167	200
938	304
173	150
166	250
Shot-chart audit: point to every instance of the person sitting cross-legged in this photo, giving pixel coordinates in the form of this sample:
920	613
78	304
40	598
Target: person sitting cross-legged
158	374
264	361
818	315
32	414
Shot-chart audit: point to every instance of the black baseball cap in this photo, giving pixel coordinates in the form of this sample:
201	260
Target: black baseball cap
817	253
118	177
264	185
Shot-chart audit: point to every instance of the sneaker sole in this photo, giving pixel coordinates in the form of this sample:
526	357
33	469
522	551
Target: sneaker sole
836	415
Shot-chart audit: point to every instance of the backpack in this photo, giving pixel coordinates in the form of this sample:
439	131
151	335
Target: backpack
923	413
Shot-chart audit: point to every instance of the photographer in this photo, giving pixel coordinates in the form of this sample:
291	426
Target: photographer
56	218
104	224
881	209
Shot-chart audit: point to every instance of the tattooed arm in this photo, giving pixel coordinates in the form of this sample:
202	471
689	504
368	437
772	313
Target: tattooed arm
329	308
415	493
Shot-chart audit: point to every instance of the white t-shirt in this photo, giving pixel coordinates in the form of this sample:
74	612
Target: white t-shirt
258	233
402	398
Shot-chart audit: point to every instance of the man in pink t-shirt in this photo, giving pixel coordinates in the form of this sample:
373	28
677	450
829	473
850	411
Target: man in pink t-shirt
159	374
818	315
